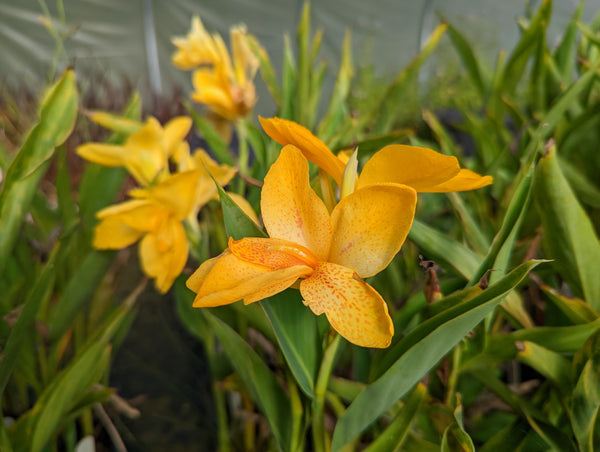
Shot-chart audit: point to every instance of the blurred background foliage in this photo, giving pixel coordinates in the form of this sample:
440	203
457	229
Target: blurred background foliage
524	378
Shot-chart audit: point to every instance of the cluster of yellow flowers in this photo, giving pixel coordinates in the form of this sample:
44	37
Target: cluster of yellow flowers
156	212
330	245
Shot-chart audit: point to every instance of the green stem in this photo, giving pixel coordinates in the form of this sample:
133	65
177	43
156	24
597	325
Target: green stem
243	155
296	403
453	378
320	439
219	396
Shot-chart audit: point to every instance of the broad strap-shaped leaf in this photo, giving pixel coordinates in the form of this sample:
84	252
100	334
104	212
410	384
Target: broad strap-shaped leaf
57	118
418	352
569	235
296	329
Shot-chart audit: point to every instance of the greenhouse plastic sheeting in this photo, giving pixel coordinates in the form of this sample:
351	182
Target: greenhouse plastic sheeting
133	37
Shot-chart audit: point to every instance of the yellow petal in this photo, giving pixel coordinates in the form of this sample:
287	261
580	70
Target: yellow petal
163	254
288	132
354	309
221	172
112	233
214	91
207	189
370	225
226	279
115	123
140	214
103	154
194	49
272	253
195	281
464	180
177	192
419	168
245	62
291	210
145	156
174	133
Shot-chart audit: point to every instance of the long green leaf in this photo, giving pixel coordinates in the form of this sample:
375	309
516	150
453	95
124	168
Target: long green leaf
585	402
517	62
57	118
79	291
296	329
561	339
262	385
24	326
393	436
266	69
337	105
58	398
418	352
468	57
569	235
517	207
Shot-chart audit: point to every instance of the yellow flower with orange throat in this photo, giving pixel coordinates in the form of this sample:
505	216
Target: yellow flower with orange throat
330	252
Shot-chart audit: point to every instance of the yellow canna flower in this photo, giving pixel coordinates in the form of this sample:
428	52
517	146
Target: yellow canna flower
331	253
155	217
146	152
420	168
227	89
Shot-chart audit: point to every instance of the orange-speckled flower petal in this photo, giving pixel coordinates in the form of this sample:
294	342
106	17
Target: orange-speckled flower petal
163	254
288	132
419	168
463	181
370	225
272	253
291	210
226	279
354	309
